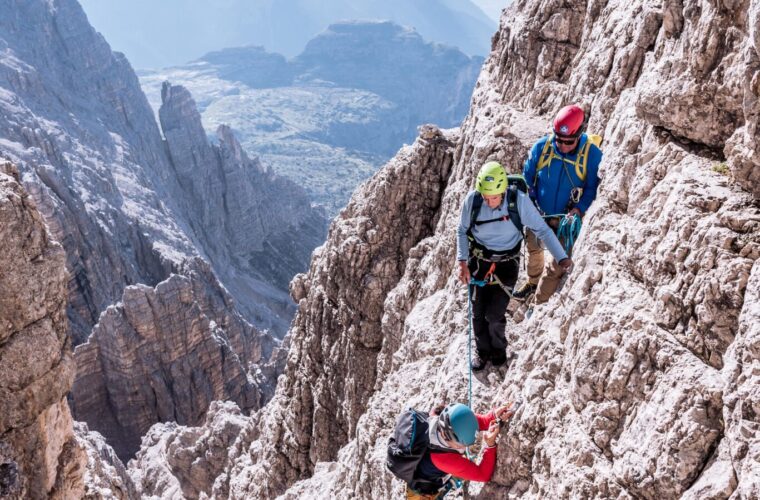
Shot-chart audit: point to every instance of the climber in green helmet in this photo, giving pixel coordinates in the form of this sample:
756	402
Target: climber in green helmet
489	235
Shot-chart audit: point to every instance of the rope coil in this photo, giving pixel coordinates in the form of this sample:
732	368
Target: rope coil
568	232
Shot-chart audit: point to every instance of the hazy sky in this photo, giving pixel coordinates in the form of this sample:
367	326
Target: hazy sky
492	7
160	33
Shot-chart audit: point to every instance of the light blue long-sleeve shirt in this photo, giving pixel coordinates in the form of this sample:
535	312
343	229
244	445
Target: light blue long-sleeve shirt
502	235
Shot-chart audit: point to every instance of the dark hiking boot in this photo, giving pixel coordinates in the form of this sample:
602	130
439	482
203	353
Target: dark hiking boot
499	359
478	363
524	291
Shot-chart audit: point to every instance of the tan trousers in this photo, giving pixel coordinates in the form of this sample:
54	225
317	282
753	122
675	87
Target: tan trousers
546	277
413	495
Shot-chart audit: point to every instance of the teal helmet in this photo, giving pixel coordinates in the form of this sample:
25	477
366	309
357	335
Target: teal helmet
459	424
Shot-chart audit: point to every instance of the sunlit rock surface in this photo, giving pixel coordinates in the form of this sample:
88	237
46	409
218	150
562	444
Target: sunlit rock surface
639	377
39	455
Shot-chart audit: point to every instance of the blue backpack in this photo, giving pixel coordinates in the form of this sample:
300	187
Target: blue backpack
407	447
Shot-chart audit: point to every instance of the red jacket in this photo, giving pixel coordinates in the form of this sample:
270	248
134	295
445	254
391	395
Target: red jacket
461	467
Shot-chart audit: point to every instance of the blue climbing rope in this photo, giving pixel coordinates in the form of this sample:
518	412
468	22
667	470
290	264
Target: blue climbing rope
469	341
569	229
474	282
481	283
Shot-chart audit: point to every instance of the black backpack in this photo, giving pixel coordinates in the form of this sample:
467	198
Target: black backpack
514	183
407	447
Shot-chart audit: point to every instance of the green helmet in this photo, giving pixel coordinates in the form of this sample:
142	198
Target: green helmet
492	179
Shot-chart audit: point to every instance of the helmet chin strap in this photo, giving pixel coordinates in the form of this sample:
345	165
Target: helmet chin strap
434	435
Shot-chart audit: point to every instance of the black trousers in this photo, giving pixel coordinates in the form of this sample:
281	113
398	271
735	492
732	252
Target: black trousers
489	306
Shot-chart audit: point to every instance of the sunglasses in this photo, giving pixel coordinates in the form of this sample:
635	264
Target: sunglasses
566	140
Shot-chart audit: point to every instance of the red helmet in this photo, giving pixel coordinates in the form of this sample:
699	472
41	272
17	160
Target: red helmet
569	121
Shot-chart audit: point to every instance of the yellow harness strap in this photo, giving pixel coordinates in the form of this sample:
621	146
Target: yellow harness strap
581	160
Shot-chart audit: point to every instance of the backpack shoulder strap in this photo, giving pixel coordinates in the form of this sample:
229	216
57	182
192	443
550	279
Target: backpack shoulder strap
514	212
581	168
581	162
547	153
477	202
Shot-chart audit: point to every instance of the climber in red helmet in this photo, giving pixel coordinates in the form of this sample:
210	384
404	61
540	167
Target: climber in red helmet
562	171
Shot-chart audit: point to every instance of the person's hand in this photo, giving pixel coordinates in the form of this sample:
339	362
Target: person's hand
505	412
575	211
566	263
464	272
492	434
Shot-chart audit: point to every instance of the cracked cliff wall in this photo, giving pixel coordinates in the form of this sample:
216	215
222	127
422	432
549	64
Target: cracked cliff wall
638	378
326	374
164	354
121	200
39	456
43	452
257	229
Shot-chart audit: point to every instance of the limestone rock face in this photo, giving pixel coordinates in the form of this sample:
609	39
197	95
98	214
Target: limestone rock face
39	457
639	378
149	261
258	229
75	121
180	461
105	476
164	354
340	326
77	125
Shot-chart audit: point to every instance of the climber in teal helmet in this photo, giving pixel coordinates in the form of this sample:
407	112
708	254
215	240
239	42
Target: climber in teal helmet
427	451
488	250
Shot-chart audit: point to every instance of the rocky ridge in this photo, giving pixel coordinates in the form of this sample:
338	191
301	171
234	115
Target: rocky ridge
105	476
256	228
340	109
639	378
380	258
43	452
123	202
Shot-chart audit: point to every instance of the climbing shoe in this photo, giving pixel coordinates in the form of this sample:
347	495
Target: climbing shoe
478	363
524	291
